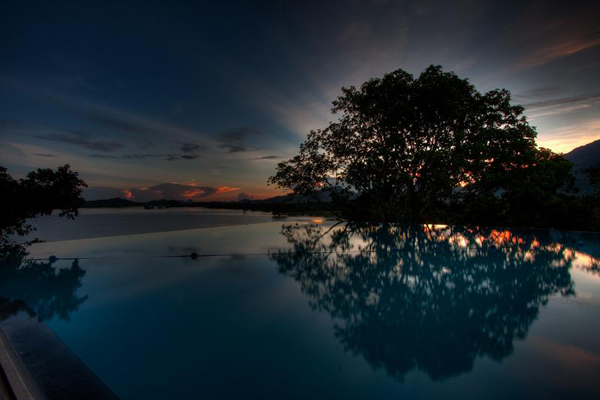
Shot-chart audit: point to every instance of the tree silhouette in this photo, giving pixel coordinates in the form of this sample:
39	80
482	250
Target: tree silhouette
39	193
407	147
425	297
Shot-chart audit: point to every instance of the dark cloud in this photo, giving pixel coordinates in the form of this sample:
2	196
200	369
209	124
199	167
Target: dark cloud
44	155
175	157
82	140
562	101
273	157
538	93
120	124
190	156
105	156
128	156
192	147
117	119
237	148
141	156
168	157
235	140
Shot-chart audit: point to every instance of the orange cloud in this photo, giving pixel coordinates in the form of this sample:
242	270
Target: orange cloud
558	50
225	189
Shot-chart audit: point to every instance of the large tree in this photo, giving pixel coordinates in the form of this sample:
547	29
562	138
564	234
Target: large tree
403	146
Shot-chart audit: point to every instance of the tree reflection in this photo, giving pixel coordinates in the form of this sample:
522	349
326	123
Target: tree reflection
432	298
38	286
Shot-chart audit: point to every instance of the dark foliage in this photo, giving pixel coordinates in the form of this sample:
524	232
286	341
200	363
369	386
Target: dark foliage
39	193
433	149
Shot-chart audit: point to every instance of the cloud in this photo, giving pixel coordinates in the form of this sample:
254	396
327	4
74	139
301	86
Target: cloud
175	157
558	111
44	155
127	156
106	118
145	130
191	147
538	92
559	49
226	189
191	151
175	191
562	101
245	196
272	157
82	140
189	156
234	140
167	157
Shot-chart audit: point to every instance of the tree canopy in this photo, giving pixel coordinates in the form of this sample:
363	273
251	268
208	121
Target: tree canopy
404	148
39	193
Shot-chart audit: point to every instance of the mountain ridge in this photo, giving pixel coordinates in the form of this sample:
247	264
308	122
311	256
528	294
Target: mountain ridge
584	157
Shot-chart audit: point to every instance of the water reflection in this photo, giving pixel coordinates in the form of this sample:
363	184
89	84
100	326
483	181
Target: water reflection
432	298
37	286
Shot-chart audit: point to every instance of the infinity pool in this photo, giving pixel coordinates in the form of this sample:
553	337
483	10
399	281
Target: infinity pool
324	310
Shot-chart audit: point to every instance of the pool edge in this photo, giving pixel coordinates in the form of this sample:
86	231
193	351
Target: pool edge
38	365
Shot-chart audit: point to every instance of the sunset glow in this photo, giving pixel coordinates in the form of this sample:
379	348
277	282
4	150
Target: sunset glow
193	100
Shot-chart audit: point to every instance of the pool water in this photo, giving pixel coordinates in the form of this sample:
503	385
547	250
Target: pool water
318	309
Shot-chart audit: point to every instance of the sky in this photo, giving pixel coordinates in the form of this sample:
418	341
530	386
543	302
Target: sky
201	100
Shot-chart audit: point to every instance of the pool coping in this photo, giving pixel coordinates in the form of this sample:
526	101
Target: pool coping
17	382
36	364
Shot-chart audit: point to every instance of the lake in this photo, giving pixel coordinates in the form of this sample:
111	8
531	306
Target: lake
311	308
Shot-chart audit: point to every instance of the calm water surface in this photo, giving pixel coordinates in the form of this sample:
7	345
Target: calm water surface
102	222
303	309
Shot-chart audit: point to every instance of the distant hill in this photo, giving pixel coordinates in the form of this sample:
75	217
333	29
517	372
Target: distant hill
115	202
584	157
270	203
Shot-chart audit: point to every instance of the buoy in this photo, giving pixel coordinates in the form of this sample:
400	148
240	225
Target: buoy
194	255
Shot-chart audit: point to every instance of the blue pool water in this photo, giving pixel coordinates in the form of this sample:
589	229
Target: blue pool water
315	309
